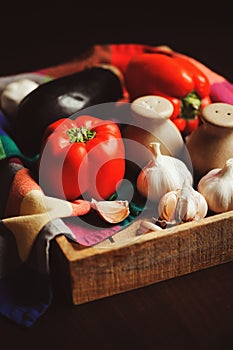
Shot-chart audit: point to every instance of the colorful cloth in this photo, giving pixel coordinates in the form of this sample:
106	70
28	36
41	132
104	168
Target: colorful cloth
29	219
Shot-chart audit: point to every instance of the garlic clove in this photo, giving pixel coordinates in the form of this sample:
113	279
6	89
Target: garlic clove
202	206
147	226
167	206
111	211
186	207
14	93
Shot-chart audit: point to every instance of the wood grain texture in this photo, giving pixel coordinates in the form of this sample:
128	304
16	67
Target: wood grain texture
101	271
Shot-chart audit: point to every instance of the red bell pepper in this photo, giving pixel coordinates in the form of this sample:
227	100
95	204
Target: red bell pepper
85	155
173	77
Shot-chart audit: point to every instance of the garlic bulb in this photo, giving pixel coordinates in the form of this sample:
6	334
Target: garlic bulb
217	187
182	205
111	211
162	174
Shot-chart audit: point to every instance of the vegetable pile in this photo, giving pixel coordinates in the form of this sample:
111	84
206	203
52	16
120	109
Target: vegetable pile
83	156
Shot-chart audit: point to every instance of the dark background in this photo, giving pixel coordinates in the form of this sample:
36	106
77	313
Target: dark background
48	35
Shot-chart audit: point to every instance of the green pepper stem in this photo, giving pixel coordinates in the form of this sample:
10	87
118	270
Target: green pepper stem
190	106
81	134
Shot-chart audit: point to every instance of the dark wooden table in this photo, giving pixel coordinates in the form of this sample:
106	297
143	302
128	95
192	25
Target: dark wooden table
190	312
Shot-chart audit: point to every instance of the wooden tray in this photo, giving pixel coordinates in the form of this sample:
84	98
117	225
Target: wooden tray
131	261
85	274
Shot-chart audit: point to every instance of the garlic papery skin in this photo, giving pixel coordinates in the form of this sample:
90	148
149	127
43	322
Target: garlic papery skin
162	174
147	226
111	211
182	205
217	188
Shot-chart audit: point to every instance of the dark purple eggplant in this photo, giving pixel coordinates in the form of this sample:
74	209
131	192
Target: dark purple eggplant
61	98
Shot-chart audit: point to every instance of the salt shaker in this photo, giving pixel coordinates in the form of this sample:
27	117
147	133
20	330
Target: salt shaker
150	123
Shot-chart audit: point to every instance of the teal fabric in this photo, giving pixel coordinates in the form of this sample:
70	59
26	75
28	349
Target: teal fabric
8	147
25	287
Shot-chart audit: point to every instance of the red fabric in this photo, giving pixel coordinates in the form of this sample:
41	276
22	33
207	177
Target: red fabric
119	56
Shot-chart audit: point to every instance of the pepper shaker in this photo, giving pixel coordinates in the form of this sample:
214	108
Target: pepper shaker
211	144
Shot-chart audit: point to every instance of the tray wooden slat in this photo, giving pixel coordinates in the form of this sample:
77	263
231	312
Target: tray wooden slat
136	261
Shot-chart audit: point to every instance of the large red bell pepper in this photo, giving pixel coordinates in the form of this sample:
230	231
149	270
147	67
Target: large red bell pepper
85	155
174	77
